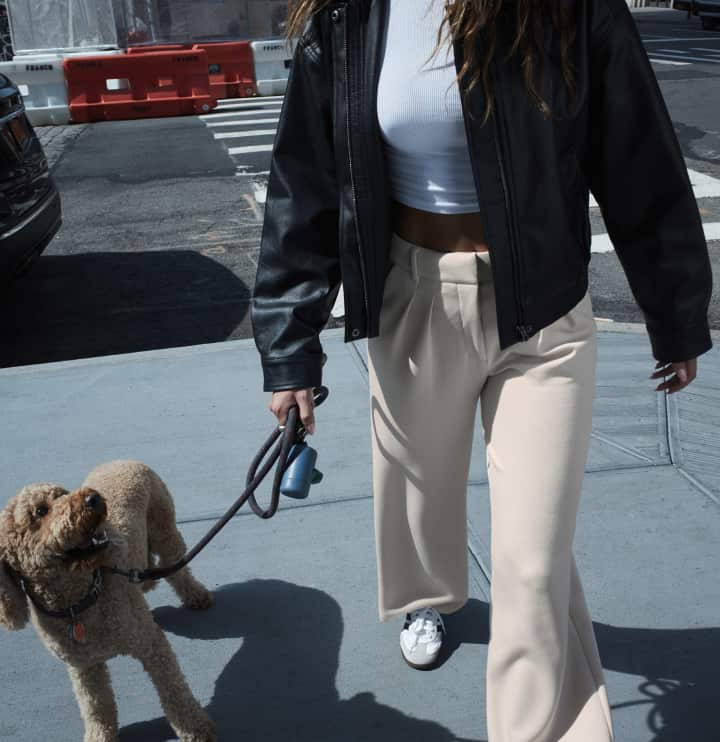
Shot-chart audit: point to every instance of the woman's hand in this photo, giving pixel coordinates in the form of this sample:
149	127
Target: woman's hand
685	372
281	402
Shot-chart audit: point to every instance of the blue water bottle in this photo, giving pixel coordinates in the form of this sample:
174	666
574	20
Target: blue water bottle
300	472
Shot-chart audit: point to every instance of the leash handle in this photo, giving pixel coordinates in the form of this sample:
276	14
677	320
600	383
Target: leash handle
293	431
289	433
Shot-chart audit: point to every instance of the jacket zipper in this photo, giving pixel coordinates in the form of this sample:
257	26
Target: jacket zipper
352	178
521	327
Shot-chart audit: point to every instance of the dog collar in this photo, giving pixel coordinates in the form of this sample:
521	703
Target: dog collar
83	604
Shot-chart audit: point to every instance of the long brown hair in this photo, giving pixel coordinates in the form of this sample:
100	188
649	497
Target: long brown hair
465	19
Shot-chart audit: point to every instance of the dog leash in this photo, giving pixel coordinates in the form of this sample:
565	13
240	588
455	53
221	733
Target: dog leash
294	473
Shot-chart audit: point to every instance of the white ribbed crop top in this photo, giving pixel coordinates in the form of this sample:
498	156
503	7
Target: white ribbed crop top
421	125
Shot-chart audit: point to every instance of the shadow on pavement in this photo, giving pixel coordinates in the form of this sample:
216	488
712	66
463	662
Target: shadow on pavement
680	671
95	304
280	685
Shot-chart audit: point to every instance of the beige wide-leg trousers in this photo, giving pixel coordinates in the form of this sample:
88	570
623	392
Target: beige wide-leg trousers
436	356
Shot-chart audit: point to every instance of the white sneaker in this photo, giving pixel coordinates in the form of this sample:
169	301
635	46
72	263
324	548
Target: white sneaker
421	637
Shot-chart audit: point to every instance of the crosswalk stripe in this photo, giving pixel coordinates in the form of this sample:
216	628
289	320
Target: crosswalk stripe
249	111
704	186
209	118
250	133
241	115
251	122
601	242
251	101
250	148
668	61
685	38
705	60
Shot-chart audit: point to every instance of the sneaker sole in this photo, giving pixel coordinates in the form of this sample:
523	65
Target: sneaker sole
427	666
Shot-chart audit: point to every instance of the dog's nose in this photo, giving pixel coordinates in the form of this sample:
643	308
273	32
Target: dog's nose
92	501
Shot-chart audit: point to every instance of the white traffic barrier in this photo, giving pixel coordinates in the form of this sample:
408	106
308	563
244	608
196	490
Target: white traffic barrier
41	81
272	65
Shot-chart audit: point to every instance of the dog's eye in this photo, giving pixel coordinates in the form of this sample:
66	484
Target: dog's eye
41	510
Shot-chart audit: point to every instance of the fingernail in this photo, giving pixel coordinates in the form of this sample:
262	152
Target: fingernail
682	373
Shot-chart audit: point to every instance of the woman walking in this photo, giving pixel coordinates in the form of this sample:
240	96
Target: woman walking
440	345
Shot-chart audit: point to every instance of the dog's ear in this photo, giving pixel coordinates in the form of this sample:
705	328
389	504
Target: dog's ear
13	602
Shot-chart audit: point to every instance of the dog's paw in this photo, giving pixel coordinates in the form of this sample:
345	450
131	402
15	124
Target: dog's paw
198	599
101	733
205	732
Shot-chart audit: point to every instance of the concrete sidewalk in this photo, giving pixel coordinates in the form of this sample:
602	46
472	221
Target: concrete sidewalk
293	650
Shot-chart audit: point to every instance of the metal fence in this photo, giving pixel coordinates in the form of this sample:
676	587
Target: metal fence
160	21
71	24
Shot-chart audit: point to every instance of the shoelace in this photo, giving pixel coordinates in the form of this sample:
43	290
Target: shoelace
423	629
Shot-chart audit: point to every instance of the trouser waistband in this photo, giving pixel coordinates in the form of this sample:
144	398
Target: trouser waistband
453	267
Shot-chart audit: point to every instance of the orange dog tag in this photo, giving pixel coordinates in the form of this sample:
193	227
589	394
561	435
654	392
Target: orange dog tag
76	631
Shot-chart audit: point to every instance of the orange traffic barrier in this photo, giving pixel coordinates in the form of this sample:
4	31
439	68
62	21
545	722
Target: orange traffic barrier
231	69
157	48
230	65
131	86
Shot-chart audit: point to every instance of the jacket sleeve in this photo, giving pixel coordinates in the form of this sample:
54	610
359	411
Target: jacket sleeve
298	273
637	174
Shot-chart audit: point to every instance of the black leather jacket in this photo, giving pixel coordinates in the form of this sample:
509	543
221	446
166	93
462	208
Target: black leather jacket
327	210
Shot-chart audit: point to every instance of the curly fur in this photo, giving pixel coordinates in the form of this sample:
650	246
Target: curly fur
38	527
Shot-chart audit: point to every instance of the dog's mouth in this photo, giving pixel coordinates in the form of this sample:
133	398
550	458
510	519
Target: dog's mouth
97	541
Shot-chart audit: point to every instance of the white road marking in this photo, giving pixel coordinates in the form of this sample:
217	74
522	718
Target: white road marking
705	60
249	101
338	310
250	110
247	122
690	38
668	61
249	133
704	186
602	243
232	151
234	114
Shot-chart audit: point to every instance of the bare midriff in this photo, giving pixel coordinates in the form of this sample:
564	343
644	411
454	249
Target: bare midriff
442	232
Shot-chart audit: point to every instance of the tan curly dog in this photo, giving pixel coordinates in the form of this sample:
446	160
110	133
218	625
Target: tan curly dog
55	547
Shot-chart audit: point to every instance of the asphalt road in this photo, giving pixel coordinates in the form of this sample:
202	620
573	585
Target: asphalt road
163	217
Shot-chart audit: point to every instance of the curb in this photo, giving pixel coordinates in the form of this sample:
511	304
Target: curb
220	346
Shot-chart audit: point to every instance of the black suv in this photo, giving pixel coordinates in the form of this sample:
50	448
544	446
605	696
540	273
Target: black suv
30	212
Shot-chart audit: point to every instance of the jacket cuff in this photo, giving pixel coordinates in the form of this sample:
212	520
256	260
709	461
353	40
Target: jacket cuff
681	344
292	372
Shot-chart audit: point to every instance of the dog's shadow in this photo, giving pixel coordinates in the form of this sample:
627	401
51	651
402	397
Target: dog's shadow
280	685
